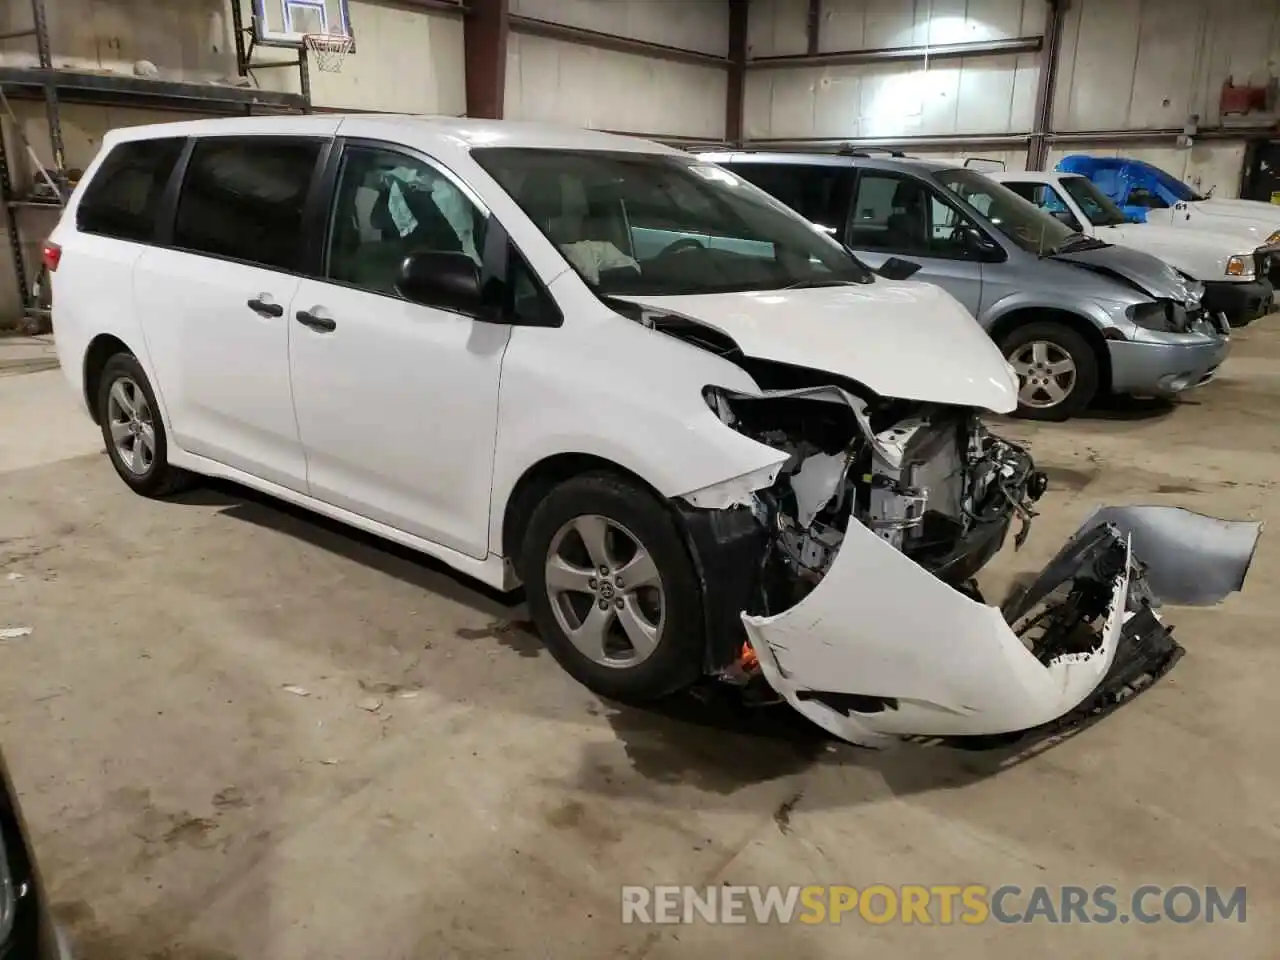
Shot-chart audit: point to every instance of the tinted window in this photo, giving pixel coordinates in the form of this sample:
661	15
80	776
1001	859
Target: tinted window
124	196
390	205
243	199
901	214
662	224
811	191
1142	197
1025	224
1097	206
1047	198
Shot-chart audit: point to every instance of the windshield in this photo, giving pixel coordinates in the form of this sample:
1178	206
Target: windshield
1175	186
663	225
1020	220
1096	205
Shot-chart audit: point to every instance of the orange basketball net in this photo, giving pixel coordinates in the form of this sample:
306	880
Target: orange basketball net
329	49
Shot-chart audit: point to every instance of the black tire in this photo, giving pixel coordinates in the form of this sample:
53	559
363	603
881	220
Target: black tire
676	660
158	478
1064	338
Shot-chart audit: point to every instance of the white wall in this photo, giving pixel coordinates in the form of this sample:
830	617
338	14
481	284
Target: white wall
576	84
701	25
1130	64
605	90
405	61
984	95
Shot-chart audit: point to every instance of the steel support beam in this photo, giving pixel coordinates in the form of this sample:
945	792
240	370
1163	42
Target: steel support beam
941	51
1050	54
485	30
737	77
813	27
532	26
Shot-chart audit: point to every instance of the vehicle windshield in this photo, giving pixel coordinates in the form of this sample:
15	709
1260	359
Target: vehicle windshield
661	225
1171	183
1020	220
1096	205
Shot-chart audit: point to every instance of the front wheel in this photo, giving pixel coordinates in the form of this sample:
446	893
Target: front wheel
1057	370
612	588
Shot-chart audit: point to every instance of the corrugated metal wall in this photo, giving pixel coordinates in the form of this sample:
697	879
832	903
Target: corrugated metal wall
986	95
572	83
1126	64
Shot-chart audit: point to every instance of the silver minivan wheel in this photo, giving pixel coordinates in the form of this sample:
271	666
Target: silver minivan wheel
605	591
1046	374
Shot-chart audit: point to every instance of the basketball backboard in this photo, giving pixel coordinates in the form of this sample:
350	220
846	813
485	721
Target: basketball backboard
283	23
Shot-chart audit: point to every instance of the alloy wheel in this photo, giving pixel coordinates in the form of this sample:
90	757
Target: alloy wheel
605	591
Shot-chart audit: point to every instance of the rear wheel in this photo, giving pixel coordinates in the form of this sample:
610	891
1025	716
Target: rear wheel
1057	370
612	589
133	430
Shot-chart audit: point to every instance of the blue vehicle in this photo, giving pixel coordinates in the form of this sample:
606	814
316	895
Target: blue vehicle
1134	185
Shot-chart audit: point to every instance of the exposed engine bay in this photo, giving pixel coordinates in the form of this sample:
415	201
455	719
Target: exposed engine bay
931	481
851	573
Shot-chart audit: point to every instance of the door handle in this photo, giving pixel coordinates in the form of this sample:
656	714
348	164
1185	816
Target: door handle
315	321
262	306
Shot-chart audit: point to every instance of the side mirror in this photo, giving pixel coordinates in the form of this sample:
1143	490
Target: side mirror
981	247
895	268
442	279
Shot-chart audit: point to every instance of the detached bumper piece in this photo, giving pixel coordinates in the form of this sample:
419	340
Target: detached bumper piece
882	650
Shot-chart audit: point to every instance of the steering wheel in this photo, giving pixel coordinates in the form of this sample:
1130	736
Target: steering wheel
680	246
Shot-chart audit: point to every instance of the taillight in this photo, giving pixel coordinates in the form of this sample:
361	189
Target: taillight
52	256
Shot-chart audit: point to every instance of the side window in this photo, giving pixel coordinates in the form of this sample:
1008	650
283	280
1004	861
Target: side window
389	205
124	196
530	302
1048	199
898	214
242	198
1142	197
811	191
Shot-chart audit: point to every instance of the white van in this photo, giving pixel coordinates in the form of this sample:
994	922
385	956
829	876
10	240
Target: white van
704	437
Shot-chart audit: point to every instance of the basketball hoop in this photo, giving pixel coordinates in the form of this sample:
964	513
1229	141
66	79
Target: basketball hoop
329	49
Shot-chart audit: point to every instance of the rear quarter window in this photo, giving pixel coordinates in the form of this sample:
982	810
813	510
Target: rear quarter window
123	198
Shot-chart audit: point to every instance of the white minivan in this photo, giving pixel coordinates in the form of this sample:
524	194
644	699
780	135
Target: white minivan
703	436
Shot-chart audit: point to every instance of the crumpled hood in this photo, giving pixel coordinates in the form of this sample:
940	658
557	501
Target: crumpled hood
1202	254
902	339
1154	277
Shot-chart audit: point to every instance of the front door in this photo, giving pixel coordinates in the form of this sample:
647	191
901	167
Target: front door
898	215
212	303
397	402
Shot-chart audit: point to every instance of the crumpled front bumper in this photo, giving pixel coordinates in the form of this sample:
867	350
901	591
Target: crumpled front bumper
881	649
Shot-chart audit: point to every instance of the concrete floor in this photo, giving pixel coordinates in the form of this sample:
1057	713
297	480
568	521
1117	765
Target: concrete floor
185	805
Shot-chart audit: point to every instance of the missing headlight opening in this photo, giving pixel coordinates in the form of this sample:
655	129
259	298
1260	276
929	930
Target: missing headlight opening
845	580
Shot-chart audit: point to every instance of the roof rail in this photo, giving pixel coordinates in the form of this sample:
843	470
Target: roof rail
849	150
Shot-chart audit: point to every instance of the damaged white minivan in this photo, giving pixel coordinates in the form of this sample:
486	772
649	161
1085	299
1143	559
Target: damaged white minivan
703	436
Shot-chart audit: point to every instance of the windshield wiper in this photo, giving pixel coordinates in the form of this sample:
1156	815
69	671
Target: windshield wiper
1078	241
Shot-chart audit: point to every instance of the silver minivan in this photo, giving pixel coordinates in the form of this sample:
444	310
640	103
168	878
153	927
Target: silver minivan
1075	316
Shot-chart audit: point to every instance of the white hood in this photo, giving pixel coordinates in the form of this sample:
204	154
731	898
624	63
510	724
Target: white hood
1201	254
1251	218
902	339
